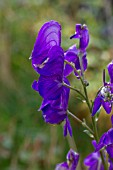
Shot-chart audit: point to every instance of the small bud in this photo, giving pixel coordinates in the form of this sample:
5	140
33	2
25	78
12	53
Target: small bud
86	83
88	133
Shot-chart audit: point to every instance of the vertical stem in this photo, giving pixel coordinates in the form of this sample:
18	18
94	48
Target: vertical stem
94	125
90	109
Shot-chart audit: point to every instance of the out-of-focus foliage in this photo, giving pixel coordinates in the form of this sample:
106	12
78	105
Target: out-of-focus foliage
26	142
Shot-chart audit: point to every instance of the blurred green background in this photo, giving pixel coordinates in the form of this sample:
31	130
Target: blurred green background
26	141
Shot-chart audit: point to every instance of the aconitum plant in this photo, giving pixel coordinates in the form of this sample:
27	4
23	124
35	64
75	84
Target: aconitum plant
54	65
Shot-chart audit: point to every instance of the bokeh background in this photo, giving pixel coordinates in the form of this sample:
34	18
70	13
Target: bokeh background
26	141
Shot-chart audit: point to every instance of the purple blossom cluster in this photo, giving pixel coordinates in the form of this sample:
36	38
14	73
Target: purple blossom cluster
105	94
48	61
71	163
54	65
106	142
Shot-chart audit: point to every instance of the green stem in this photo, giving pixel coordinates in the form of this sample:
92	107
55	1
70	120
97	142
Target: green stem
90	109
94	127
76	90
81	122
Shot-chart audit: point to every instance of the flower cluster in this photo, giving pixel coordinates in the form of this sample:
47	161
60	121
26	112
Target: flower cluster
93	160
54	65
78	56
105	95
48	60
106	141
72	161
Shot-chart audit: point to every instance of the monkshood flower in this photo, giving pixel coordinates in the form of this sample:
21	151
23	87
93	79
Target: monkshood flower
106	141
50	84
82	34
55	111
48	36
50	87
93	160
105	94
71	163
80	63
48	60
78	56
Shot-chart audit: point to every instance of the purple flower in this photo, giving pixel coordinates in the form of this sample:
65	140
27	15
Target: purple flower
111	164
106	141
80	62
72	161
55	111
105	94
50	85
93	160
48	36
48	60
82	34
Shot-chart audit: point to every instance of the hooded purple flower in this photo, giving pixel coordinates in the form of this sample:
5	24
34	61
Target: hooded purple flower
72	55
82	34
78	56
106	141
93	160
105	94
50	87
55	111
48	60
48	36
72	161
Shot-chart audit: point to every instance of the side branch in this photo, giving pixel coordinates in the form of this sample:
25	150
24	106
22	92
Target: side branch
76	90
81	122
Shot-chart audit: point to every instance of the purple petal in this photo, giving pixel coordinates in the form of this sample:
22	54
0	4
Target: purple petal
78	30
62	166
84	62
77	63
112	120
76	35
96	106
72	158
82	34
53	115
101	143
48	36
94	143
55	63
84	40
94	161
44	103
110	71
107	106
91	159
50	87
35	85
70	55
72	161
109	149
110	134
111	164
67	127
67	70
65	94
